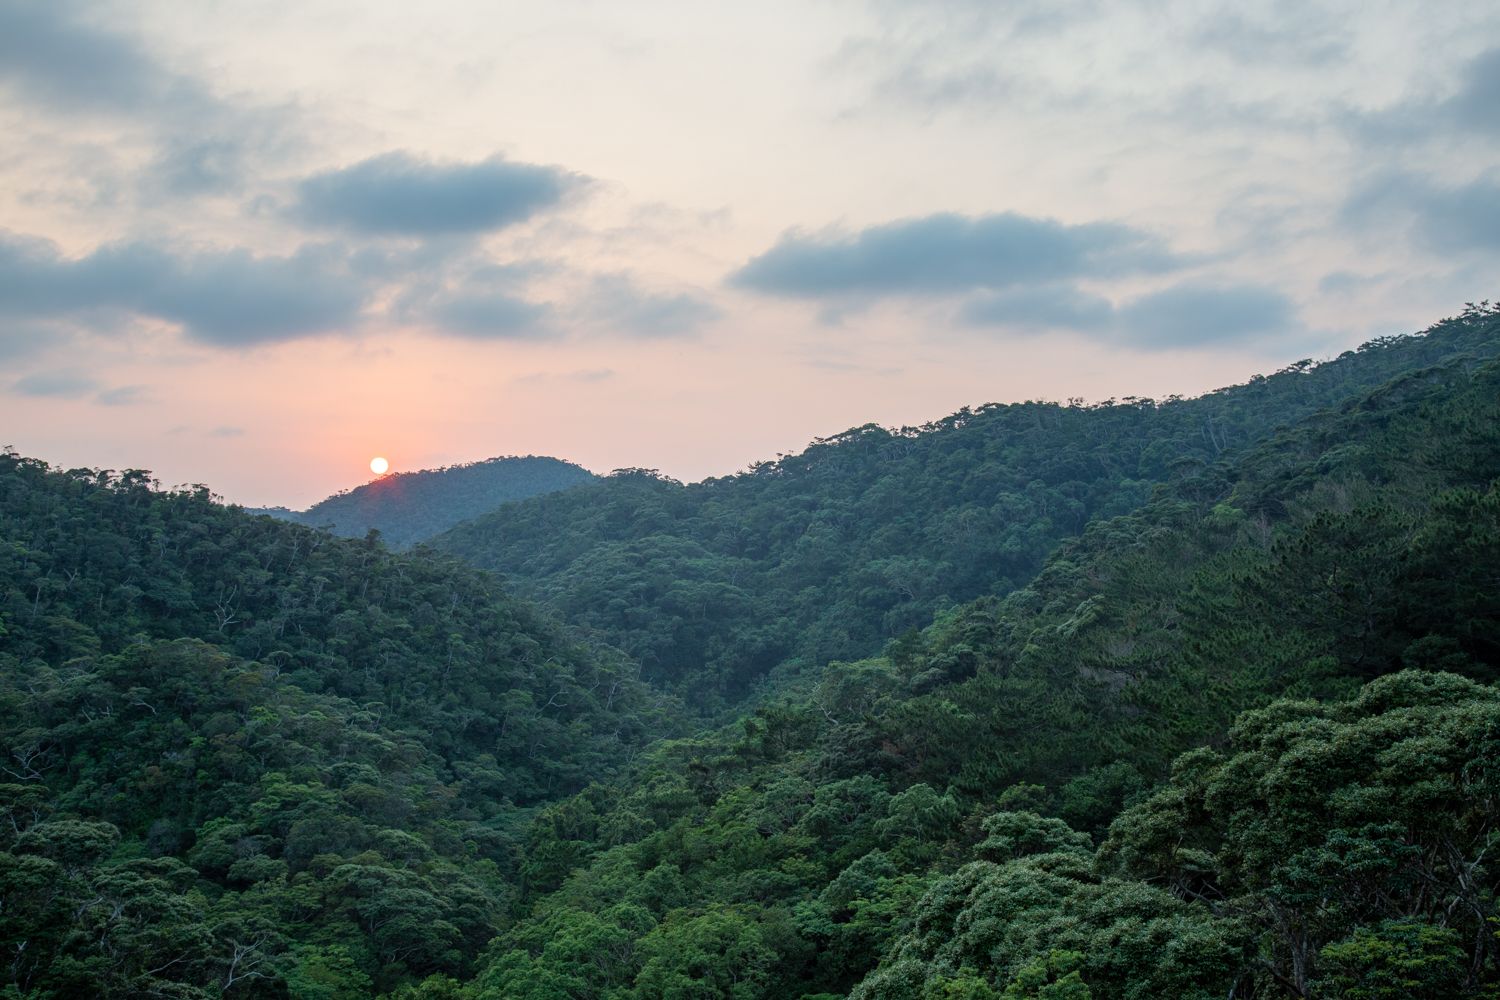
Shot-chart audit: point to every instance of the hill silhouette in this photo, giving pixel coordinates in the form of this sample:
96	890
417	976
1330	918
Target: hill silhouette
411	507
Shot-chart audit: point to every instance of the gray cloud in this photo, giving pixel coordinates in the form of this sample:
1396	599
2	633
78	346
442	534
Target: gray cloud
22	339
938	88
234	298
948	253
1203	315
429	260
1294	33
398	194
1476	105
194	165
617	302
947	53
1020	18
1347	282
1192	314
1445	217
225	298
970	55
125	395
476	299
59	384
486	315
1466	216
1041	308
50	56
490	301
1472	108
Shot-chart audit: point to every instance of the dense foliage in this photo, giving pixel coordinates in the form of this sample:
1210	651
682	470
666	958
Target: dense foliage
411	507
830	553
1337	850
1237	738
911	822
233	740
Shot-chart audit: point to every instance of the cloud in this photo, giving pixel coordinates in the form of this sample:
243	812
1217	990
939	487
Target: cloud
938	88
1347	282
50	57
949	253
227	432
1445	217
125	395
491	301
1303	35
1194	314
1466	216
1476	104
1472	108
618	303
1210	64
1191	314
194	165
1023	270
21	339
398	194
1046	307
234	298
951	53
487	301
228	298
485	315
56	384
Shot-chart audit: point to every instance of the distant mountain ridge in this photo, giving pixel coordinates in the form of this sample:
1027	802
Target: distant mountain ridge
830	553
411	507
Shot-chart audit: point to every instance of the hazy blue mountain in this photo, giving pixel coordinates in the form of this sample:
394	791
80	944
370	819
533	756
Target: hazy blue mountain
410	507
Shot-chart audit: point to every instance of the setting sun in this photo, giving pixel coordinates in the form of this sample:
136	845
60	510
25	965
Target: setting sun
379	466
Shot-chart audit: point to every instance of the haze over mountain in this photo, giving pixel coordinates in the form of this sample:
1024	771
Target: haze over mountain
1221	719
410	507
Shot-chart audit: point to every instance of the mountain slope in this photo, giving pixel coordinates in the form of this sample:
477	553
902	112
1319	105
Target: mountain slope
830	553
411	507
1236	741
242	753
907	829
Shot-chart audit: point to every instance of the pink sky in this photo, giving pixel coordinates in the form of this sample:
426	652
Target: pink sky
254	244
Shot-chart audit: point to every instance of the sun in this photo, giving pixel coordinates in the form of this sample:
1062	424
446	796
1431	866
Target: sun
379	466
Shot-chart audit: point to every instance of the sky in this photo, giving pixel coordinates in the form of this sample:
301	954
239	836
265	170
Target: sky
253	244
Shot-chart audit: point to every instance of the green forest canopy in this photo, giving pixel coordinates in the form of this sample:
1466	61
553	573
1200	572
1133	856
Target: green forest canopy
1233	734
831	553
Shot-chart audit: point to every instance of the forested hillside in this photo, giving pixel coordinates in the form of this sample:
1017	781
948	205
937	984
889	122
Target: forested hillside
925	824
411	507
829	553
234	745
1205	704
